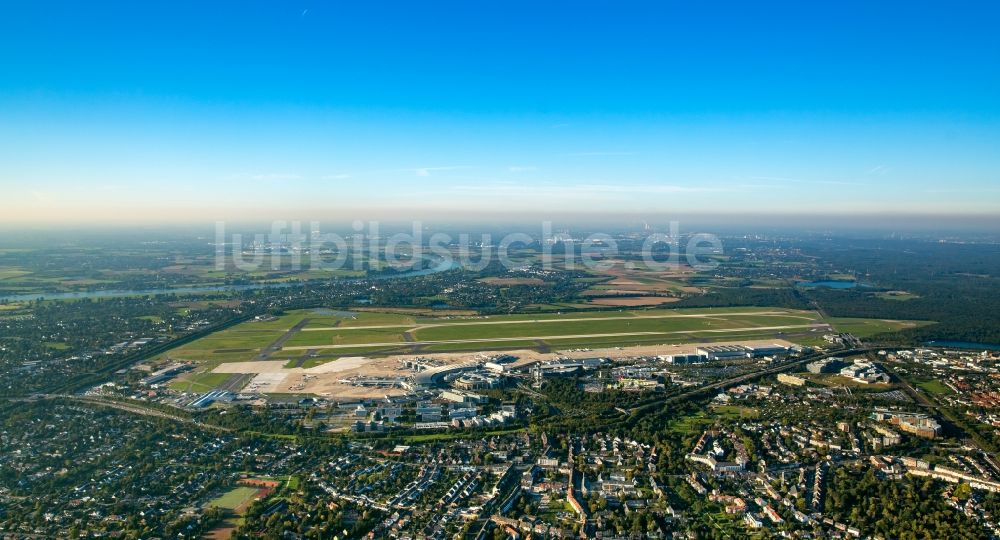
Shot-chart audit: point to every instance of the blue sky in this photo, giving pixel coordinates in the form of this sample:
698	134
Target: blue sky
193	111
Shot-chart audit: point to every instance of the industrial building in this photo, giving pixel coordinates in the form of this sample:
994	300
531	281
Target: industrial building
458	396
917	424
429	413
431	377
165	374
726	352
684	358
555	368
791	379
769	350
827	365
211	397
865	372
723	352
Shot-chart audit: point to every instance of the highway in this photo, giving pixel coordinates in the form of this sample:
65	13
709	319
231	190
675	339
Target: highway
134	408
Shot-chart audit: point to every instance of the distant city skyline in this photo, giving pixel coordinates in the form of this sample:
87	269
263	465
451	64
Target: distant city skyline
193	112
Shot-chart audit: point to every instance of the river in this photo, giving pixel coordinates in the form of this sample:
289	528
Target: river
964	345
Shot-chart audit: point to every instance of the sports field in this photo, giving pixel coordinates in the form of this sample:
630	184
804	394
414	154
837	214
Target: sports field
235	498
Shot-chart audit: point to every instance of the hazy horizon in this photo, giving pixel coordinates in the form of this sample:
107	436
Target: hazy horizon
941	225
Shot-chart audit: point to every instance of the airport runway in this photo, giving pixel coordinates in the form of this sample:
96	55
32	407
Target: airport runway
564	336
561	320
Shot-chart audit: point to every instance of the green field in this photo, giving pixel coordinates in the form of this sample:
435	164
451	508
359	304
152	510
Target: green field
12	273
199	382
690	424
234	498
935	387
463	346
734	412
863	328
236	339
370	319
346	337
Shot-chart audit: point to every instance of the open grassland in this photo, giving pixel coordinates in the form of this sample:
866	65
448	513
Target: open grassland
691	424
235	339
8	272
464	346
863	328
735	412
355	336
935	386
13	306
361	319
199	382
